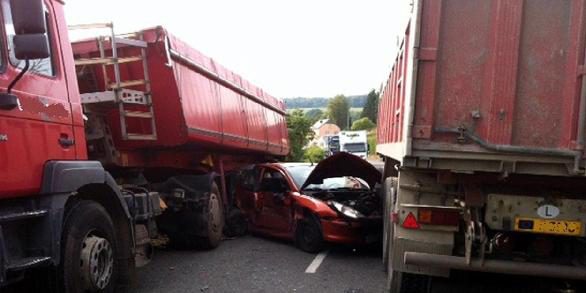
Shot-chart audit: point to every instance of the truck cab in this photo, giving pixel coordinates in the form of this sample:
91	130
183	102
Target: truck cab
354	142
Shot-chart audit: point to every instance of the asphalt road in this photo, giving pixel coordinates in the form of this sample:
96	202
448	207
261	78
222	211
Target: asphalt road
252	264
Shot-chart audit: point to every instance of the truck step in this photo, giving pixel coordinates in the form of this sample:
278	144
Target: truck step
106	61
138	114
128	83
135	136
27	262
128	97
16	216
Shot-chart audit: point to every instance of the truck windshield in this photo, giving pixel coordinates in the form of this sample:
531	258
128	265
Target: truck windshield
355	147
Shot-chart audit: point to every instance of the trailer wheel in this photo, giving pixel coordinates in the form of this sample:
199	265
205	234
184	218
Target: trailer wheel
308	235
390	191
89	249
213	219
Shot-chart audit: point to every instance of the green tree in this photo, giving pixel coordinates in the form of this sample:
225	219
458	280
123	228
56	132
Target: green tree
300	134
314	154
370	109
363	124
314	114
339	111
372	142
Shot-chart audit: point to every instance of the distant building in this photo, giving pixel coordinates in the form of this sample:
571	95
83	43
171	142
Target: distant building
322	129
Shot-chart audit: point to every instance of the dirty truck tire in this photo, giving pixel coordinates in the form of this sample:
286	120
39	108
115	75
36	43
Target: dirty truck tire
89	249
308	235
389	190
213	219
199	228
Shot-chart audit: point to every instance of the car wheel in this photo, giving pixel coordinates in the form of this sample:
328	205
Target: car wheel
308	235
236	223
89	250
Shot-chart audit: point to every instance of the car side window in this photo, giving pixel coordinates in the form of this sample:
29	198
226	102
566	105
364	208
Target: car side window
40	66
273	180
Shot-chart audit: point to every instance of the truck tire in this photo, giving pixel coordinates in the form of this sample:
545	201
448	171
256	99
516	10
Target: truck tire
89	249
213	219
197	227
389	193
308	235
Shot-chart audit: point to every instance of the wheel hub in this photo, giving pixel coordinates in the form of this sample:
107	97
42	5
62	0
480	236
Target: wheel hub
214	207
96	263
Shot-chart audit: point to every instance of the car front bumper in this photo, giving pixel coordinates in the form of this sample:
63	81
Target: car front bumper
353	232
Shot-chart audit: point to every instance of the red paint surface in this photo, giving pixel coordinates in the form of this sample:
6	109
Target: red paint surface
279	220
50	109
191	108
516	63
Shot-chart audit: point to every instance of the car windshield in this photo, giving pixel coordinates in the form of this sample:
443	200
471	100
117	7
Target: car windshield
355	147
300	174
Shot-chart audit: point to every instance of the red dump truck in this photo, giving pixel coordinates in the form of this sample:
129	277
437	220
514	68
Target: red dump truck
482	128
108	141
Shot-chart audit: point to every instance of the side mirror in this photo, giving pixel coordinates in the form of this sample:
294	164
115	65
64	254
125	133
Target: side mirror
33	46
30	40
28	17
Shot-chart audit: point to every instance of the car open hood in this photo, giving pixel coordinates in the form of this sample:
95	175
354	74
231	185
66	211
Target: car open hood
343	164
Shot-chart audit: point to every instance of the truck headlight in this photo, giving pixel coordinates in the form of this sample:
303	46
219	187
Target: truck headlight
346	210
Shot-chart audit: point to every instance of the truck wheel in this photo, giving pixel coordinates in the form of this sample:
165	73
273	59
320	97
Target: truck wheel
308	235
213	219
390	190
89	249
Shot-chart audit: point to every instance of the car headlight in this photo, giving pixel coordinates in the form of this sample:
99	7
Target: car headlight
346	210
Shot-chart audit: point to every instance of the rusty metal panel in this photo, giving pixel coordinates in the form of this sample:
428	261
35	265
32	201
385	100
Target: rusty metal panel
508	72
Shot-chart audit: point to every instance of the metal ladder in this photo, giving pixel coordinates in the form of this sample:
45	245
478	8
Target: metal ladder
117	90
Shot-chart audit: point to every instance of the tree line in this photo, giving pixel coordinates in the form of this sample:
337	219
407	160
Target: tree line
299	122
308	103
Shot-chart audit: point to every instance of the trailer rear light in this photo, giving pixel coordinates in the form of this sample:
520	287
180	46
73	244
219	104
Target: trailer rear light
439	217
410	222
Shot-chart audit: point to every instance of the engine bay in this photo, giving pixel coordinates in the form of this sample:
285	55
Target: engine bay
366	202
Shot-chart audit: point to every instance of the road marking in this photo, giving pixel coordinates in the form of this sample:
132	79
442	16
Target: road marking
314	265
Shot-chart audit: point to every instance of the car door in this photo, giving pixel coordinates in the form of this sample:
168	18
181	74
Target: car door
247	198
39	127
275	214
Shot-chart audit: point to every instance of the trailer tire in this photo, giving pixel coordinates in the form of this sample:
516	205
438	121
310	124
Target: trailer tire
390	191
213	219
89	249
308	234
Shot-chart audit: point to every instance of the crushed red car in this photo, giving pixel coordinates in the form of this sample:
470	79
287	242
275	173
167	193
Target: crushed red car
335	201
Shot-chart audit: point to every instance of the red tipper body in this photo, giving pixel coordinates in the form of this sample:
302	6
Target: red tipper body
487	80
198	105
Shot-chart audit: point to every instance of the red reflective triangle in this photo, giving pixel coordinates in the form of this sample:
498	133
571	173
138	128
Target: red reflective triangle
410	222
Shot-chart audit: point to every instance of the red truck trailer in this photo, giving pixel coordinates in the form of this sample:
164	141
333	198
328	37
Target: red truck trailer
482	128
108	141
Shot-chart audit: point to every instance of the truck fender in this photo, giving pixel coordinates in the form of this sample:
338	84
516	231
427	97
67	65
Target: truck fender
61	181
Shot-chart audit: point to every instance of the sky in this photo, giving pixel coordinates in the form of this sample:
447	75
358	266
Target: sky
290	48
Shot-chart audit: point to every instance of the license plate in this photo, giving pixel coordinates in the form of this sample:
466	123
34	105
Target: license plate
571	228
